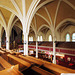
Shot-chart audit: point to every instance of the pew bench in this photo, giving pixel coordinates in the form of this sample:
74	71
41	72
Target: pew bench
26	59
4	63
15	60
31	60
57	69
1	67
40	60
2	53
11	71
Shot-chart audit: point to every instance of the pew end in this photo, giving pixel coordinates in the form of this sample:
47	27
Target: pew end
11	71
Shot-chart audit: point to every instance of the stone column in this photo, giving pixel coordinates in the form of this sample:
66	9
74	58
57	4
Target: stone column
25	43
36	49
54	51
7	42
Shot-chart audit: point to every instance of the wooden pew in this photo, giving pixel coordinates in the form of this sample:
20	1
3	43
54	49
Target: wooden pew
40	60
11	71
57	69
15	60
2	52
34	58
31	60
13	52
4	63
26	59
41	71
18	53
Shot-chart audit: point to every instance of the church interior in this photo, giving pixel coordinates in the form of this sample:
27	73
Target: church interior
37	37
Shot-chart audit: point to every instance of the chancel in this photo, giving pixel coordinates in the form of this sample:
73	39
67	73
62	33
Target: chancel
37	37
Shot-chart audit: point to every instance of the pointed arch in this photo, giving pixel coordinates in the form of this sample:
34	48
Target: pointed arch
43	18
3	19
30	13
70	4
38	7
11	10
13	25
17	8
11	20
65	20
43	26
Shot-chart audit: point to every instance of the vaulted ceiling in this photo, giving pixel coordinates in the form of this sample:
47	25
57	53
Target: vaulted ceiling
48	14
11	13
54	14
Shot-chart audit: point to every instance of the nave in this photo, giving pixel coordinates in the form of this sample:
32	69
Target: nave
44	29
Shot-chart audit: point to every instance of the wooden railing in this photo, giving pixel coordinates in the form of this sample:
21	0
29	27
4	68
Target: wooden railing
66	51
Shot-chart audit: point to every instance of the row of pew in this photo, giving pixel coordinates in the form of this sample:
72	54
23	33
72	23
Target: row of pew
8	68
10	59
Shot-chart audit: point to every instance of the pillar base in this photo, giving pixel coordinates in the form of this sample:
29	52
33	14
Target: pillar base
54	61
36	56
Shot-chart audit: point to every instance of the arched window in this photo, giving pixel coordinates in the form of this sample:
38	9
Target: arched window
50	38
31	38
73	37
67	37
40	38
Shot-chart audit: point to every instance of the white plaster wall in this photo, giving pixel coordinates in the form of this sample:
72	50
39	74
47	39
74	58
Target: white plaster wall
70	30
59	36
33	35
43	35
47	35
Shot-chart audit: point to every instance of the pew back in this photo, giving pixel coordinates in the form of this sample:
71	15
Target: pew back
31	60
11	71
57	69
4	63
22	64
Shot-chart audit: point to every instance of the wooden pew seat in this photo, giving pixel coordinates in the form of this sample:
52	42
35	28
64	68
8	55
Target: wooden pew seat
57	69
1	67
11	71
23	64
2	52
4	63
31	60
